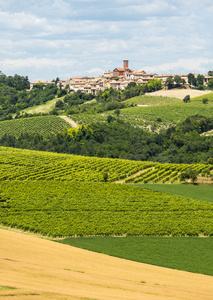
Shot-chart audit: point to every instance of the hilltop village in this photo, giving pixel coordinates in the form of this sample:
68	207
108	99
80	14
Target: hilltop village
117	79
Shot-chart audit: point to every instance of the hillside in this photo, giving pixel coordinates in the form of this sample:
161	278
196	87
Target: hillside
152	112
33	271
34	198
43	125
18	164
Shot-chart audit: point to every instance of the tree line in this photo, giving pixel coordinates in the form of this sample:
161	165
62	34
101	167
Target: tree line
116	139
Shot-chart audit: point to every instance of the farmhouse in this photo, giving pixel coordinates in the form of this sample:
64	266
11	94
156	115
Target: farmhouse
32	84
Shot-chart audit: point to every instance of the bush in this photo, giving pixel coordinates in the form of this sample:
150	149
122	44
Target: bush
205	100
186	99
59	104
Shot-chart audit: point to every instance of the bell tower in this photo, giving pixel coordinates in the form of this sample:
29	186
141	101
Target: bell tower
126	64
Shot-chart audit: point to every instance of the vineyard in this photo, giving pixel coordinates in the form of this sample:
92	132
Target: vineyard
155	111
76	209
43	125
65	195
18	164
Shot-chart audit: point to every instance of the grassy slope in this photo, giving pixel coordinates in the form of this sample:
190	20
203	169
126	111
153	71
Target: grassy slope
196	192
188	254
169	110
208	96
43	108
43	125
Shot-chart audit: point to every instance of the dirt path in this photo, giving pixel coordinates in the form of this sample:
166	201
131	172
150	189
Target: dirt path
70	121
42	269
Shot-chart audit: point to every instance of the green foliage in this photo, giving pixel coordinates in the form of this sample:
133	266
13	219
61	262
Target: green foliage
191	79
117	112
105	176
210	84
32	165
42	125
80	209
15	95
179	144
170	82
200	80
205	100
186	99
59	104
180	253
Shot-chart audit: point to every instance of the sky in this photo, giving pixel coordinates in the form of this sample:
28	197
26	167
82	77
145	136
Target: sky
45	39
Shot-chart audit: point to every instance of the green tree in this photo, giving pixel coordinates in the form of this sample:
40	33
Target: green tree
154	84
210	84
210	73
200	79
191	79
170	82
177	80
192	175
117	112
105	176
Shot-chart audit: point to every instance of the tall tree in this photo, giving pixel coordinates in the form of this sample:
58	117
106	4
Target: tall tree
191	79
170	82
200	79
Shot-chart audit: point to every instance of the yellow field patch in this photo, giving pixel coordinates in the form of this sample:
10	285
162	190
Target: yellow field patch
43	269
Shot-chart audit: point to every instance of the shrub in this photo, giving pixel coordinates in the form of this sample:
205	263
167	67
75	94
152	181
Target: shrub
186	99
205	100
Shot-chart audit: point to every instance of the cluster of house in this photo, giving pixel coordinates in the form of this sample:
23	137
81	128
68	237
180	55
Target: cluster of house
117	79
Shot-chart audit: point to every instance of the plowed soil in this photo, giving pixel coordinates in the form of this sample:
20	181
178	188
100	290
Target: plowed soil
43	269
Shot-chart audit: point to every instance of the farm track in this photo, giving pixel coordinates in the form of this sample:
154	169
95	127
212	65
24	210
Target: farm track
42	269
70	121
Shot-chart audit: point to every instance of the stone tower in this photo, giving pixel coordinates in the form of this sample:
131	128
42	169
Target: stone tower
126	64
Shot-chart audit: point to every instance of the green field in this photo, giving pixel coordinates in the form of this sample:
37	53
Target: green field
181	253
151	100
73	208
169	110
43	125
18	164
196	192
43	108
208	96
61	195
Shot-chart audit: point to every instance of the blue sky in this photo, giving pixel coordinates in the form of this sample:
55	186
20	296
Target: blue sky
45	39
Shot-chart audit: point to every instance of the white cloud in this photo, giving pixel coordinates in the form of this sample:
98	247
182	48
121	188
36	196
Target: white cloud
95	71
200	65
72	37
33	62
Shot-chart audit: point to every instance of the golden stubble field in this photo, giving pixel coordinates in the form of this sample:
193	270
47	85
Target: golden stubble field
179	93
43	269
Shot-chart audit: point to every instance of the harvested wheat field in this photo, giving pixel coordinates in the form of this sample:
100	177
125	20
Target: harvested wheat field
43	269
179	93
